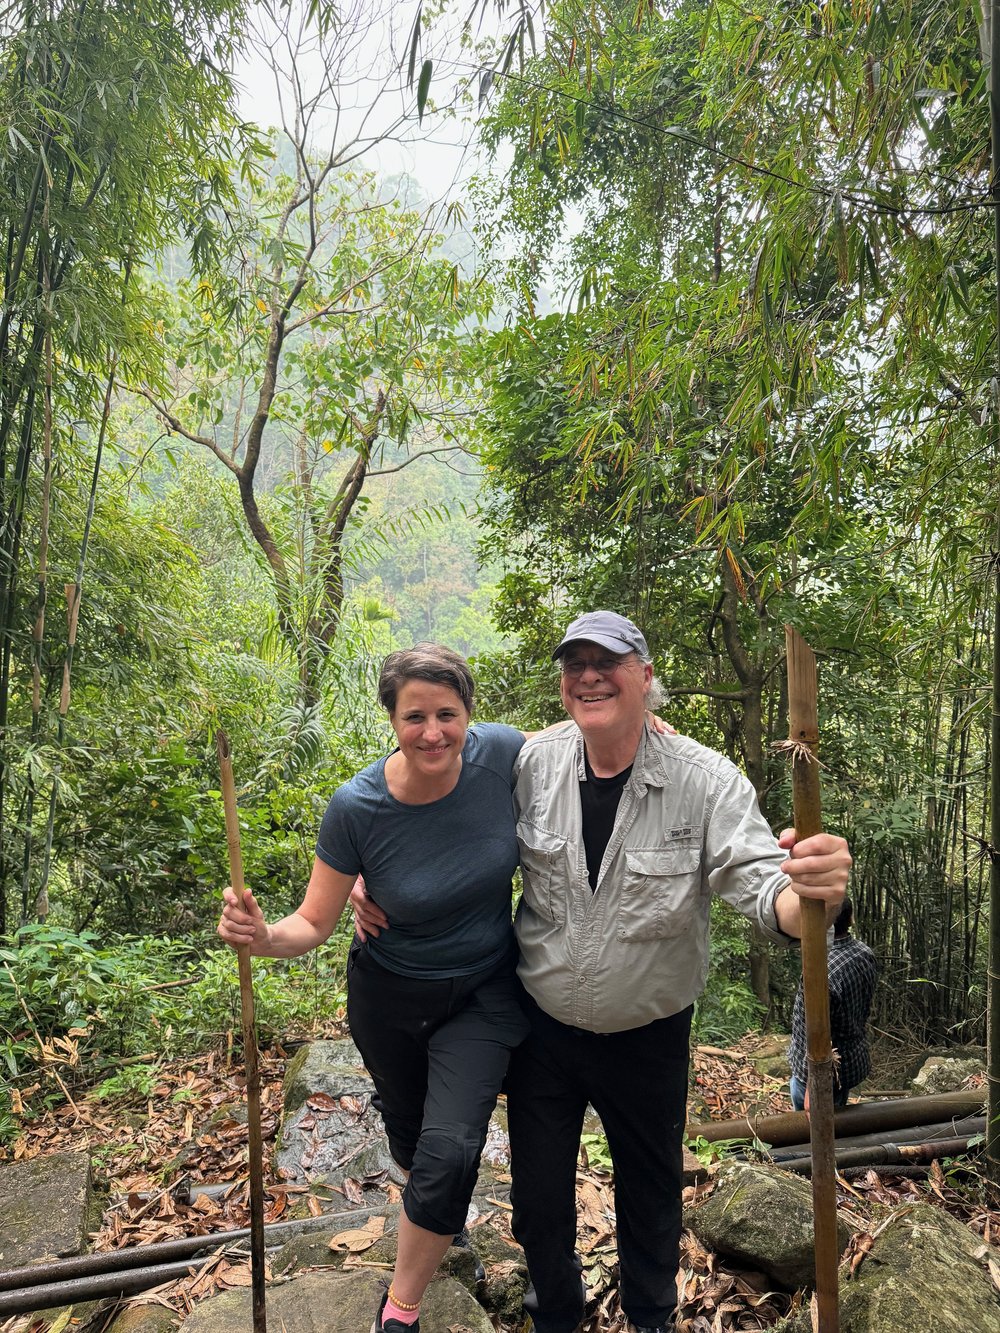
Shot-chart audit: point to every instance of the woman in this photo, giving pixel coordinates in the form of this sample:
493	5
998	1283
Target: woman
432	1003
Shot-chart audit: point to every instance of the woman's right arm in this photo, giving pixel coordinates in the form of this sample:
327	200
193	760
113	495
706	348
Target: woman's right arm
310	924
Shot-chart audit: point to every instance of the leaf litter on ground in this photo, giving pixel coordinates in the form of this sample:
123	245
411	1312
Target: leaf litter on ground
191	1132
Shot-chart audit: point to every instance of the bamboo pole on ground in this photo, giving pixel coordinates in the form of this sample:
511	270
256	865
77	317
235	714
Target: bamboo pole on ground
256	1144
803	737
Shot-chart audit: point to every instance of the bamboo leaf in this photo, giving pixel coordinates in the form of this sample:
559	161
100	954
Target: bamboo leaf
423	87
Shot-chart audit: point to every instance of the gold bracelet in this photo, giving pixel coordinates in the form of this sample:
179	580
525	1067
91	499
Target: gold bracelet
402	1305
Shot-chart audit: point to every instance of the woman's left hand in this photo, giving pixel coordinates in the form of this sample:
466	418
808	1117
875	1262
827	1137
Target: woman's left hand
659	726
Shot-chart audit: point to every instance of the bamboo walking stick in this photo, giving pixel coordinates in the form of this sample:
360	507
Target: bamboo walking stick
249	1045
803	737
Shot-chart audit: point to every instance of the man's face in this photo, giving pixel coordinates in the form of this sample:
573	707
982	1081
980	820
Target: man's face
603	692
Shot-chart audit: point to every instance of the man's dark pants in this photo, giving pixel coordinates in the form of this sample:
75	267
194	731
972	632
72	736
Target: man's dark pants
637	1082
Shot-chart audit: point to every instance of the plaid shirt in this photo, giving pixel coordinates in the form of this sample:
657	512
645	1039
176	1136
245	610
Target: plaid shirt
853	970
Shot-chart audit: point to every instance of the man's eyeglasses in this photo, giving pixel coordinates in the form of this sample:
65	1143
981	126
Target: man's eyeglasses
604	666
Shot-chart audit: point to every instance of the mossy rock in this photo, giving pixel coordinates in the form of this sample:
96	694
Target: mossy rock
145	1319
770	1056
48	1206
330	1302
506	1274
333	1067
940	1073
492	1247
312	1249
763	1218
925	1273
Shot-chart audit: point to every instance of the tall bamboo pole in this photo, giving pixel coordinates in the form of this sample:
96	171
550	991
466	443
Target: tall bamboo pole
249	1044
993	966
803	734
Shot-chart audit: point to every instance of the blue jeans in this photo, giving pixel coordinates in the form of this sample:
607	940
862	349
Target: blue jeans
797	1088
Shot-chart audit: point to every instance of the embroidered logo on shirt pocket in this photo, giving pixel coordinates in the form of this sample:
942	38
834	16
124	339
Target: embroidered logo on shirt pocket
543	866
660	891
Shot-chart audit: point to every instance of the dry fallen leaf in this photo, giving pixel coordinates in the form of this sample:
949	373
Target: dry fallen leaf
322	1101
361	1239
352	1190
239	1275
858	1248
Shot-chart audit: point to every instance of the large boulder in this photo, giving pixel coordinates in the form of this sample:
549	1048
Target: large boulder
763	1218
332	1136
48	1208
330	1131
942	1073
332	1302
924	1273
333	1067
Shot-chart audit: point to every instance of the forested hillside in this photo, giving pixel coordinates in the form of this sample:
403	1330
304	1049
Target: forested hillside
703	331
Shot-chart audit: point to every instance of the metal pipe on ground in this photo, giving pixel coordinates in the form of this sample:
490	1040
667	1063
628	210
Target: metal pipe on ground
943	1129
126	1282
184	1247
887	1154
186	1192
909	1172
863	1118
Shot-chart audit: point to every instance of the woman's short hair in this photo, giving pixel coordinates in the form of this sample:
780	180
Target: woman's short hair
425	661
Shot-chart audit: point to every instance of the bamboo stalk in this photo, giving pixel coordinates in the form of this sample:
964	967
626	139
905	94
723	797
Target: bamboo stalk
993	963
803	733
249	1045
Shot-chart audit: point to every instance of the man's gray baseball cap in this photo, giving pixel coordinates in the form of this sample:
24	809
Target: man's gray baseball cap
609	630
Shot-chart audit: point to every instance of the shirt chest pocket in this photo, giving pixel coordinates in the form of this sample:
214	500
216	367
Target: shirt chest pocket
660	892
543	866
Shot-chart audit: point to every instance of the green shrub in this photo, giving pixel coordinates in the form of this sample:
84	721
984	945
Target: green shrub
134	1081
73	1010
728	1008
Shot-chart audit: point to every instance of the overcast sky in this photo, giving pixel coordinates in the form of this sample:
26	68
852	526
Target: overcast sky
369	54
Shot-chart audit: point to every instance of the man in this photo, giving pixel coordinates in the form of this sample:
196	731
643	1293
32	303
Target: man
625	835
853	972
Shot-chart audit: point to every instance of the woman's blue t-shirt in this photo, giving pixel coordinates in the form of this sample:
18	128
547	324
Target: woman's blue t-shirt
441	872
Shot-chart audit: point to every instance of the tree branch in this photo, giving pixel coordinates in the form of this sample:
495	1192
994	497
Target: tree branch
423	453
178	427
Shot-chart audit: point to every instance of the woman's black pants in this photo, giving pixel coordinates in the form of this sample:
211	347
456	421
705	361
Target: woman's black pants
437	1052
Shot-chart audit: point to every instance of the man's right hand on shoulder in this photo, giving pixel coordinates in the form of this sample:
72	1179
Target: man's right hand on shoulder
369	919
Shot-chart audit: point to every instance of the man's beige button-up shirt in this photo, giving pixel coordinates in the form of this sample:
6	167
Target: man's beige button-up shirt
636	948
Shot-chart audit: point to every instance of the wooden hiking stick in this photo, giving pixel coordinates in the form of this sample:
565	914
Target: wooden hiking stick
249	1044
803	737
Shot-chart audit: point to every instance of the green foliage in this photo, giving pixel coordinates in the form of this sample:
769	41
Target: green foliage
339	317
75	1009
719	1150
117	138
133	1083
598	1154
763	398
51	984
727	1008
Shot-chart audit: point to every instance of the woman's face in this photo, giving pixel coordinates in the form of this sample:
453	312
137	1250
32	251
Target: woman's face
430	722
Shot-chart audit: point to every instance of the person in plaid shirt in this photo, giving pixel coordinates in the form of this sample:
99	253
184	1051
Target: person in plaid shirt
852	973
